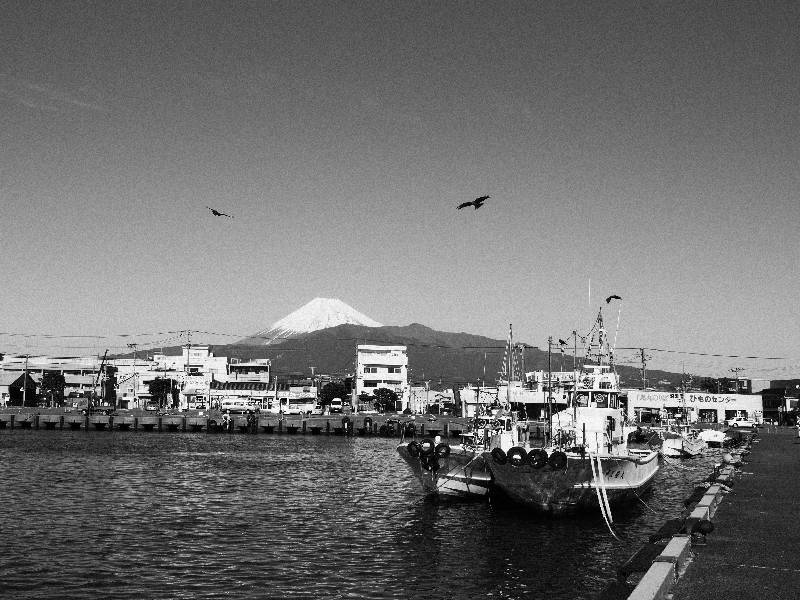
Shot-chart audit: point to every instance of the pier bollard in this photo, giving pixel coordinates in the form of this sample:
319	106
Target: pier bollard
86	421
159	424
36	421
12	420
184	423
111	422
280	425
327	425
304	426
136	423
422	430
447	429
61	422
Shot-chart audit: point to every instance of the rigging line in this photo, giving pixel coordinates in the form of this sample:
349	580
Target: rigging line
599	500
712	355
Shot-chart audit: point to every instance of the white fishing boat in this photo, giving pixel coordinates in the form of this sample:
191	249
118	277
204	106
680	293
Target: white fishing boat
714	438
680	441
587	461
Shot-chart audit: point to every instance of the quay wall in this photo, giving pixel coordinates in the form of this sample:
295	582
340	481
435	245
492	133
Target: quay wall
387	425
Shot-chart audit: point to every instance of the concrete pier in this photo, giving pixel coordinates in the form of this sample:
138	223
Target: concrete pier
752	552
385	425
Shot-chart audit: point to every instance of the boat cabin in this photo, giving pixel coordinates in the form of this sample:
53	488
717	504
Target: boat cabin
597	388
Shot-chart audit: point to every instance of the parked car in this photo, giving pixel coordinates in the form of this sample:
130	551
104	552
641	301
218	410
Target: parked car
336	405
151	405
740	422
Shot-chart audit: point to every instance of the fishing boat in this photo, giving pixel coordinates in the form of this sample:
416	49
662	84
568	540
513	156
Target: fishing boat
714	438
586	461
459	470
680	441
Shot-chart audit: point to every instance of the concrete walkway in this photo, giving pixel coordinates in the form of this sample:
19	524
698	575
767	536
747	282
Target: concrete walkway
754	550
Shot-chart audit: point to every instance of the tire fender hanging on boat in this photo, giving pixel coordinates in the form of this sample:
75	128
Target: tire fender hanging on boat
558	460
499	456
413	449
517	456
442	450
537	457
426	447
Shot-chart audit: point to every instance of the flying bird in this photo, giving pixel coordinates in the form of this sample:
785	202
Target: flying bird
216	213
613	297
477	203
562	342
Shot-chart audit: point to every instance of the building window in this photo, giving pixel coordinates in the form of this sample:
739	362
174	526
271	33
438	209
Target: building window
370	369
394	369
370	384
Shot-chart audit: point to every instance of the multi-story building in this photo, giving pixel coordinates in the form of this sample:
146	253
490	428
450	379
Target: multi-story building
382	367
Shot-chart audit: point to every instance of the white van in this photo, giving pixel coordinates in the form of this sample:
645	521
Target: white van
336	405
237	406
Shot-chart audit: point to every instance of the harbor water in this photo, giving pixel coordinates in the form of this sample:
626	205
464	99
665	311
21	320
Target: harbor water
173	515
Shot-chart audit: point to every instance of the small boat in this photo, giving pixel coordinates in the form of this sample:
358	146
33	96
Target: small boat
714	438
458	470
679	441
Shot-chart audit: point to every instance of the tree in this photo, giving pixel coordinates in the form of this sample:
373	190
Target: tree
52	388
385	399
331	390
161	390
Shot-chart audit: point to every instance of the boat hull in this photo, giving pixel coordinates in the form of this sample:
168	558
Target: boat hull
681	447
572	488
462	474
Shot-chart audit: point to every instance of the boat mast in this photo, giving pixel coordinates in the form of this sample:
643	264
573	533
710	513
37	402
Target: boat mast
549	387
509	351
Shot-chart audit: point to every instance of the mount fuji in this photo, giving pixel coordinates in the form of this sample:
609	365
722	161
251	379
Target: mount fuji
319	313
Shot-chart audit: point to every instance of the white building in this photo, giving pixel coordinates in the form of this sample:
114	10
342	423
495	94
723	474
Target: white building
693	407
382	367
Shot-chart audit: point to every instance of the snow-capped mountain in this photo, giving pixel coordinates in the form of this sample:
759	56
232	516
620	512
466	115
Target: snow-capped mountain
319	313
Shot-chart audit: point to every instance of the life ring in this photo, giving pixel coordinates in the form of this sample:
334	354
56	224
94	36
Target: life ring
413	449
557	460
537	457
442	450
517	456
426	447
499	456
587	382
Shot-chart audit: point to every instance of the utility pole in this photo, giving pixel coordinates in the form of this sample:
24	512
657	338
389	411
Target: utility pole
25	382
133	346
644	359
736	371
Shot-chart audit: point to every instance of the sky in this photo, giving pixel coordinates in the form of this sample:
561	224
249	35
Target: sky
644	149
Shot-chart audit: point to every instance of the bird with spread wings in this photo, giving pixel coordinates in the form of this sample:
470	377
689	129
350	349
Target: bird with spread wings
217	213
477	203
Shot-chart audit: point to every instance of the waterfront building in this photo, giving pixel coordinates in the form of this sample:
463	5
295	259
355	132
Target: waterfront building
645	406
422	399
382	367
16	386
